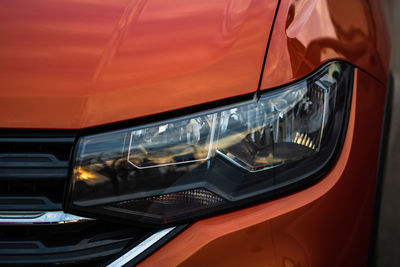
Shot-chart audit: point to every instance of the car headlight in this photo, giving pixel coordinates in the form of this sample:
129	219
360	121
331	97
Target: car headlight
217	160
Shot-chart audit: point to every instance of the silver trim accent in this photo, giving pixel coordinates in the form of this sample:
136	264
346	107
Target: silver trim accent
131	254
38	217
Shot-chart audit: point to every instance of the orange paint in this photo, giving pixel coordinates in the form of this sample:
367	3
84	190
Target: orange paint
80	63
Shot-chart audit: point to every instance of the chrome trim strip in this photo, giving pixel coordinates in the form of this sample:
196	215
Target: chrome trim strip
131	254
38	217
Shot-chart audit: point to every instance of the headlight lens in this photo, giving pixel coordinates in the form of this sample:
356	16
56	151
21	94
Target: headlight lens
183	168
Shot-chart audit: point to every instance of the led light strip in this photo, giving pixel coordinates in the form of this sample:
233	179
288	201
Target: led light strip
147	243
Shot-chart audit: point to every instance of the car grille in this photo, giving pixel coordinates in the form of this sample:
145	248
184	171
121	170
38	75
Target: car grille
33	175
33	169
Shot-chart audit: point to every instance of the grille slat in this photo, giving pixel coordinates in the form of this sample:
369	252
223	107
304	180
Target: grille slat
33	173
21	160
38	140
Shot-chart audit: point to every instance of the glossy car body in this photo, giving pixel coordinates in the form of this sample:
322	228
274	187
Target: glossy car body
78	64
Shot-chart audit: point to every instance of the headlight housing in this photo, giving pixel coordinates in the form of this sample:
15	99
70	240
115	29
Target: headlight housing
192	166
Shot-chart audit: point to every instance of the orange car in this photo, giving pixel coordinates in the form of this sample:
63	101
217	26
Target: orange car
194	133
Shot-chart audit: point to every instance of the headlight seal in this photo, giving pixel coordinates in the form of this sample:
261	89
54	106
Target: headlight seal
201	164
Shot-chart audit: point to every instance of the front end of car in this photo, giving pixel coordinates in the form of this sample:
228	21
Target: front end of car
239	133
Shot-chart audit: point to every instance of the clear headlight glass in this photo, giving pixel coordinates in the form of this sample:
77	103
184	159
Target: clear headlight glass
199	164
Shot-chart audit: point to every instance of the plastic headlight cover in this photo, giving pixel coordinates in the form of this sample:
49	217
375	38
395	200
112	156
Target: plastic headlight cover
200	164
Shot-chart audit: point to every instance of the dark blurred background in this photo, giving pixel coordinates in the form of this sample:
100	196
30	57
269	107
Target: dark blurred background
388	246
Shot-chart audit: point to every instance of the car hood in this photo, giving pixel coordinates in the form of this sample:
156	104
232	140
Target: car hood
72	64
